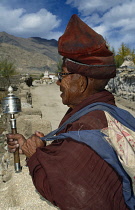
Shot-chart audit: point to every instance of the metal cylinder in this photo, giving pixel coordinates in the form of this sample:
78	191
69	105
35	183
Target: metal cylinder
11	105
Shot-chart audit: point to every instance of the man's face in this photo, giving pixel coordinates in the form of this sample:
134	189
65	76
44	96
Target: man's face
70	88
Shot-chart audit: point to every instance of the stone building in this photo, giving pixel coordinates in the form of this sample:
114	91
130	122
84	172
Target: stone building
46	79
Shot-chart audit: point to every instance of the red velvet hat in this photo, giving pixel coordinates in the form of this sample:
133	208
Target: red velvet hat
85	51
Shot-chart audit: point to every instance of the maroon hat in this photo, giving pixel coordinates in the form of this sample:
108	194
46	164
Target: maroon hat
85	51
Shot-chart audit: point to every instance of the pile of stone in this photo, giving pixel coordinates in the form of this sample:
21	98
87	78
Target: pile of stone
123	85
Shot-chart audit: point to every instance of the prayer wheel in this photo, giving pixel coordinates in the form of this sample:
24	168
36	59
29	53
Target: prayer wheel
12	105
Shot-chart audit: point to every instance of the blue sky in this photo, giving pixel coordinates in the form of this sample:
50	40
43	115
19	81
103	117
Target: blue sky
113	19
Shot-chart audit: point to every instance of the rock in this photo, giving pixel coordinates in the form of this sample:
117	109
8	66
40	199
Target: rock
23	86
7	176
5	173
128	61
123	84
28	124
24	104
30	111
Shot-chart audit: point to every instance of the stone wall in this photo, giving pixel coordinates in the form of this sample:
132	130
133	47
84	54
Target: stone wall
123	85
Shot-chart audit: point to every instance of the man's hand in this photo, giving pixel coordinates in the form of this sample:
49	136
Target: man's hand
27	147
31	144
14	141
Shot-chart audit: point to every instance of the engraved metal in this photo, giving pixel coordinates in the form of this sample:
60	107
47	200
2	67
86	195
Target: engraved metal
11	104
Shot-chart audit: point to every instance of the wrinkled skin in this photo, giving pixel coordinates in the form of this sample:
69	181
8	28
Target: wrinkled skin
27	147
75	88
70	86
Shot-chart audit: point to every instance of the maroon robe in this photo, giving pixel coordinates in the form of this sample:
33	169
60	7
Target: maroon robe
73	176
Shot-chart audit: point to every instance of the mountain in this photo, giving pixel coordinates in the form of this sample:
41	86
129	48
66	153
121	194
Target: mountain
30	55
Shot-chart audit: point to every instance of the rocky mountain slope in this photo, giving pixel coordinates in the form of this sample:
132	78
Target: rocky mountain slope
29	55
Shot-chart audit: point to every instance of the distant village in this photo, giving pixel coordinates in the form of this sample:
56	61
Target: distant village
14	81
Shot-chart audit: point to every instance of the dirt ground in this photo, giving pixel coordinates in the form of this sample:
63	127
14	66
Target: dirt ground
47	99
19	193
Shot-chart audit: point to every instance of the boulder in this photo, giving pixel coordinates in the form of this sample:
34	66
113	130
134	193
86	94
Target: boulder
28	124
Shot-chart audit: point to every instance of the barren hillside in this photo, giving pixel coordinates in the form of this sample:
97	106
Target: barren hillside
29	54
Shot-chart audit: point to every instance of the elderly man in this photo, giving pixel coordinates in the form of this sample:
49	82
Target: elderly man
70	172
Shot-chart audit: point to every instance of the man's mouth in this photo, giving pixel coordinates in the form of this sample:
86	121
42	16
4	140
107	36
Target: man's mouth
61	94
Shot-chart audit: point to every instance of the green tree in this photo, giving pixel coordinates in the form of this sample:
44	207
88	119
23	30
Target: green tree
59	66
133	55
122	52
41	75
7	69
118	60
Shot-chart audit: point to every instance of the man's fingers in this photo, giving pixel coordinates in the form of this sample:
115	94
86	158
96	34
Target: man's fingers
11	150
14	141
10	140
14	136
39	134
40	143
13	146
20	151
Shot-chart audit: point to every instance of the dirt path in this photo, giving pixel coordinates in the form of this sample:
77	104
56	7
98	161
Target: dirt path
47	99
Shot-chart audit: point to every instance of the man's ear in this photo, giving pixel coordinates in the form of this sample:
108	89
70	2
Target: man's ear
83	83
